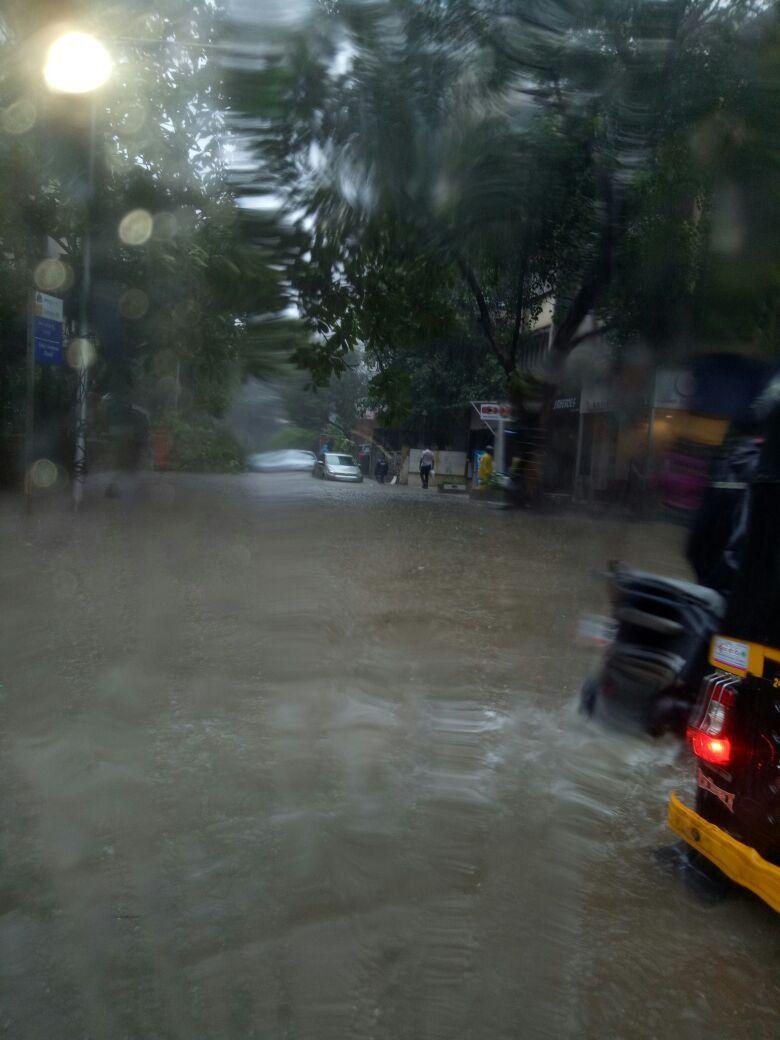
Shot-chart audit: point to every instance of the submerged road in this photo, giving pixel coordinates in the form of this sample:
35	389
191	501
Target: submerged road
285	759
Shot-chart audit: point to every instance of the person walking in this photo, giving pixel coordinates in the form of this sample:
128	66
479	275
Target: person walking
426	465
380	470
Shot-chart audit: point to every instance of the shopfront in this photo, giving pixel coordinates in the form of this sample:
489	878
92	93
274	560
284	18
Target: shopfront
598	439
561	454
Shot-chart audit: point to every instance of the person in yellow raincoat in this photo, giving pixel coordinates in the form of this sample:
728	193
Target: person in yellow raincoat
485	469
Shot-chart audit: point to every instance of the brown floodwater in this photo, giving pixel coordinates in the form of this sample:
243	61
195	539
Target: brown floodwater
291	760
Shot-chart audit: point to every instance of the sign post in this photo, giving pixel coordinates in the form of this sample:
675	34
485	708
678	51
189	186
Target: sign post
499	447
29	410
44	345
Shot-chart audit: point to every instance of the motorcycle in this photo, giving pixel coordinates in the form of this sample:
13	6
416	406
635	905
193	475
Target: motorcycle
657	655
654	661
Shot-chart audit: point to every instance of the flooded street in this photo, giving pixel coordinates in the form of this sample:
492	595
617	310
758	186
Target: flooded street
286	759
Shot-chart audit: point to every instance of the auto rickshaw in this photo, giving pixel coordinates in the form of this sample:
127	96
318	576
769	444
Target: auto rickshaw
734	728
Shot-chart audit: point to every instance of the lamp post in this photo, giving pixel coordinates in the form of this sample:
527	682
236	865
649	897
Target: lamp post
77	63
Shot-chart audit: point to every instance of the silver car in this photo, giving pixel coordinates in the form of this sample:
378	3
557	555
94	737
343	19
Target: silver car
335	466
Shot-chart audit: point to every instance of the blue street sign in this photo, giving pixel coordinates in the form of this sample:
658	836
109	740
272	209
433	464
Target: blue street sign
47	329
47	334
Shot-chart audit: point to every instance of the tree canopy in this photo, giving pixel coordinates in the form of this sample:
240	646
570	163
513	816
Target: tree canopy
447	165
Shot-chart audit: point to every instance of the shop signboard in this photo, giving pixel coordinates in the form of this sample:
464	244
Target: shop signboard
596	397
567	404
492	411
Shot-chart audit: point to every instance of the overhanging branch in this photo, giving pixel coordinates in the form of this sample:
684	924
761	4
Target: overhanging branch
486	319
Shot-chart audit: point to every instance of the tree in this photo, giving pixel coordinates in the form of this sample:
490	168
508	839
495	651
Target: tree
331	410
183	304
407	217
506	149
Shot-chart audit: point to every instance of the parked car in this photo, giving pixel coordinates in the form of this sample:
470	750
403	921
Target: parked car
335	466
290	460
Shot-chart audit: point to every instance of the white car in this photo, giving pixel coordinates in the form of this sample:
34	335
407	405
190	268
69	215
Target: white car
336	466
291	460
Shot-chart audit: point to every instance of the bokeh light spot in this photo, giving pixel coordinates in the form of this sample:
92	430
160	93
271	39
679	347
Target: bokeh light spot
165	226
43	473
81	353
133	304
135	228
19	117
51	275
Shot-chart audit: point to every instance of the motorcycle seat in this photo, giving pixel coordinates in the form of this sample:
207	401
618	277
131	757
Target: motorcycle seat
641	618
699	594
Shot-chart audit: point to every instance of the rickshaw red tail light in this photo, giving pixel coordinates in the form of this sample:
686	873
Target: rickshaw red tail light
709	731
715	750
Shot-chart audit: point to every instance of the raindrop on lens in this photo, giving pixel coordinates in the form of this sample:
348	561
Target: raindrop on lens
133	304
19	117
165	226
80	353
135	228
43	473
51	275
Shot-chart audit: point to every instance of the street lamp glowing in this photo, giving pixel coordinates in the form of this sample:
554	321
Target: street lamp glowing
76	63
